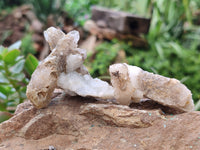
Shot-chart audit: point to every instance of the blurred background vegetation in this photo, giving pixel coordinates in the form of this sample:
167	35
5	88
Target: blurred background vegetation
173	43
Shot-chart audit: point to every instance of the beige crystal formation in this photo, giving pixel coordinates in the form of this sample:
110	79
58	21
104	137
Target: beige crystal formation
131	83
64	68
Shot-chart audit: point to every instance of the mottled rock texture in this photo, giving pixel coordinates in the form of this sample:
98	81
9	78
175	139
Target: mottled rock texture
86	124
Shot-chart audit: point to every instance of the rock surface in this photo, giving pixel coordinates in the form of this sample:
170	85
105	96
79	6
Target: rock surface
86	124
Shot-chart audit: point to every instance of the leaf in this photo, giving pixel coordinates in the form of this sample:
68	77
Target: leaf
171	11
177	48
3	51
2	96
18	77
31	64
10	56
197	106
3	106
14	97
18	67
3	79
159	50
1	65
6	91
16	45
11	103
27	45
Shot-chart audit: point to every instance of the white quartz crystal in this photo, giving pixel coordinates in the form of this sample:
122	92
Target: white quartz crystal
53	39
74	61
85	85
75	35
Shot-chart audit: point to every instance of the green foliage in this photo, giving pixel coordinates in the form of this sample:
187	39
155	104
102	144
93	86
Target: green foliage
132	6
79	10
105	55
43	8
31	64
13	79
174	48
27	45
197	106
167	22
10	3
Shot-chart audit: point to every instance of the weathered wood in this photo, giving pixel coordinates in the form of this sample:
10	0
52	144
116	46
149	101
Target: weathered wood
120	21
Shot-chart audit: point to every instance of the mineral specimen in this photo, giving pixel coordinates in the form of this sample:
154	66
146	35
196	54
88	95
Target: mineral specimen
64	68
131	83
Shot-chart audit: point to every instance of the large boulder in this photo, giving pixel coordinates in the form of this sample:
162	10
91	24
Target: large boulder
86	124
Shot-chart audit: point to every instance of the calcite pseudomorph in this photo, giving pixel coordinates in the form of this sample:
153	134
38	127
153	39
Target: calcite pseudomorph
64	69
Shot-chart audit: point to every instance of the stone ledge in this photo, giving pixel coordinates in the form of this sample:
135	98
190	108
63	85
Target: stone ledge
83	123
